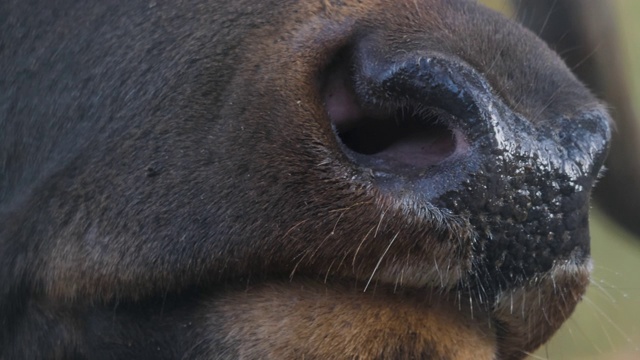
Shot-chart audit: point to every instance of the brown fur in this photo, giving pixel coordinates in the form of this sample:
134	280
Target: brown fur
315	321
172	185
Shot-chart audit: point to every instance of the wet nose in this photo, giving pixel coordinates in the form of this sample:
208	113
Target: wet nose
429	126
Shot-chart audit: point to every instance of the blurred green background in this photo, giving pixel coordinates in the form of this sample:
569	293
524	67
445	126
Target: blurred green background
606	325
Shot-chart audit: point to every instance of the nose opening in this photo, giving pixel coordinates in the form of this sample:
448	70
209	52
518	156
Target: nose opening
407	137
392	136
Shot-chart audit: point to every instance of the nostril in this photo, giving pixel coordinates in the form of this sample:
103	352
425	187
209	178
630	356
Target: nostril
388	136
406	137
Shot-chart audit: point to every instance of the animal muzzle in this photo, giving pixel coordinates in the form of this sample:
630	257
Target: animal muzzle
434	133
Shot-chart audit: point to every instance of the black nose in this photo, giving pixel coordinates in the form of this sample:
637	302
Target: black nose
417	119
430	126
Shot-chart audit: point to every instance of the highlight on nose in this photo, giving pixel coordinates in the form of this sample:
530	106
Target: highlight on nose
434	134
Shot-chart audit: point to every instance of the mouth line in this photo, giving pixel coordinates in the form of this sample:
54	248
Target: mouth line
522	318
344	314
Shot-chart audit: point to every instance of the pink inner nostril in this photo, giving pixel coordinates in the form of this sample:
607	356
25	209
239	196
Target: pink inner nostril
341	103
391	138
421	148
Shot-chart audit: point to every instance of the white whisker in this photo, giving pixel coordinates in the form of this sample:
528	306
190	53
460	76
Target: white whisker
355	254
613	324
380	261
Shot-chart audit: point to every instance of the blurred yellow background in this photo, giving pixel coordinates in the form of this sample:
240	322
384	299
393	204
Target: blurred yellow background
606	325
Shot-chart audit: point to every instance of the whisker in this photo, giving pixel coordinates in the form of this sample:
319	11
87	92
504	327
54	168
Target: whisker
333	231
355	254
326	276
597	285
380	260
552	98
435	262
295	267
587	57
379	223
534	356
293	228
626	337
546	20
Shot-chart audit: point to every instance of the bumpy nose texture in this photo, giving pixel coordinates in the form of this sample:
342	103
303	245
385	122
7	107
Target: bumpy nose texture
522	185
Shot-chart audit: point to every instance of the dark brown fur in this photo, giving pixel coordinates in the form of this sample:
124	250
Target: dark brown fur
171	186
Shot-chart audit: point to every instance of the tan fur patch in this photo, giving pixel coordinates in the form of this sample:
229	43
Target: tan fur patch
310	320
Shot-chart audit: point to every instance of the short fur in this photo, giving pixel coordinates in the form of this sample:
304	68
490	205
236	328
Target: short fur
171	185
